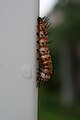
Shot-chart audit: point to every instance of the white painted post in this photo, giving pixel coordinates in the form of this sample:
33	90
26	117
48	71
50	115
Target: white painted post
18	92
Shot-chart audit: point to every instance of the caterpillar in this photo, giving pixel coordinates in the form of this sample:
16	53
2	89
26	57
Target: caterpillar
43	51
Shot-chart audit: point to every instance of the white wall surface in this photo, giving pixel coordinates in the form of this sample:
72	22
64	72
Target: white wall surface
18	92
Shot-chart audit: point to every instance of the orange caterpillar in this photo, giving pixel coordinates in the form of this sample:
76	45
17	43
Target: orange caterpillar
44	52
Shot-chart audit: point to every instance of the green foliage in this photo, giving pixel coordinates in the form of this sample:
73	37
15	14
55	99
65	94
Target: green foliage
49	99
51	109
69	29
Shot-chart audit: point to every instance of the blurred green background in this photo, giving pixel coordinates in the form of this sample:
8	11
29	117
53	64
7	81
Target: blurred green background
59	99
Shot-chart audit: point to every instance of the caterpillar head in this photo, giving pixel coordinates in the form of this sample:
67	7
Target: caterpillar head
41	24
40	21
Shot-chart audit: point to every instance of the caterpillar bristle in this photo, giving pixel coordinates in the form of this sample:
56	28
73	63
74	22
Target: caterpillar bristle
46	21
48	25
49	33
45	18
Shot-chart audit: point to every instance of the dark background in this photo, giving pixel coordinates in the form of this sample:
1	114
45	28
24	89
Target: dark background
59	99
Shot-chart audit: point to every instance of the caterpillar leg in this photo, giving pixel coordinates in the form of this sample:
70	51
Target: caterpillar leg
37	58
37	69
39	81
37	41
37	50
38	84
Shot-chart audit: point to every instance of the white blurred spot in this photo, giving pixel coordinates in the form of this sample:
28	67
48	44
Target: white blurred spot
46	6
